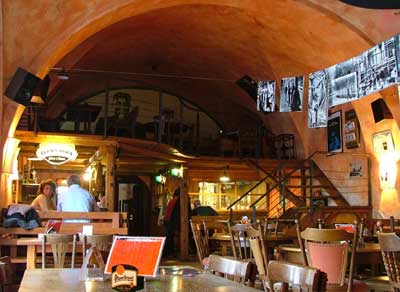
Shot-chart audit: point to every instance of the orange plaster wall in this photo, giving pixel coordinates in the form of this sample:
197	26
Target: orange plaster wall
58	28
387	201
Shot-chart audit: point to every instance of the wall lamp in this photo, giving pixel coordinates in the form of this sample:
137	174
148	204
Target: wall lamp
388	170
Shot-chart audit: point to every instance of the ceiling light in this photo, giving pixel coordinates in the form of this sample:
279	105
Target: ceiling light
63	75
224	177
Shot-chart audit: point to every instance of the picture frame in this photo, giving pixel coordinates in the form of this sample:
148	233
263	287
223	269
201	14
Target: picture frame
383	141
334	132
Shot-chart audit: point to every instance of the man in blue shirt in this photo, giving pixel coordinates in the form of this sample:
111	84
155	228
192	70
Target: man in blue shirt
76	199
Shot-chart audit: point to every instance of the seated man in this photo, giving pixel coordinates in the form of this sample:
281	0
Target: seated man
76	199
200	210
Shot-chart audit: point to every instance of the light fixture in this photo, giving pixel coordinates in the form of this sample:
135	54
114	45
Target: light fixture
160	179
63	75
225	177
177	171
388	170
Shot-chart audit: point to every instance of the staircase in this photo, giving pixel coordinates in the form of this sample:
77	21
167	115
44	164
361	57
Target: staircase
294	184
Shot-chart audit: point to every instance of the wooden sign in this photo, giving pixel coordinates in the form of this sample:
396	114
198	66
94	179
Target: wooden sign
144	253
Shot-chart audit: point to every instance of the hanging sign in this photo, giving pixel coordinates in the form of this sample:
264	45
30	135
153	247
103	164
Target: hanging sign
56	154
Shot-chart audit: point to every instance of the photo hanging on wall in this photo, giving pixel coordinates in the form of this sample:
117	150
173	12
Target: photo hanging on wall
317	100
266	96
334	132
342	82
377	67
292	89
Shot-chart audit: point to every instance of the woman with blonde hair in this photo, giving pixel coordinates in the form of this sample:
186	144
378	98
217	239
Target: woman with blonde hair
43	201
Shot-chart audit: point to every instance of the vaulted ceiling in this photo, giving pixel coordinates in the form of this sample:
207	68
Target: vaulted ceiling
198	50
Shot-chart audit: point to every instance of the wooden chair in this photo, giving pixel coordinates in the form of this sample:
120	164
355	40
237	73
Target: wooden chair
259	250
8	278
59	244
390	247
239	271
239	241
200	235
298	277
328	250
273	226
101	242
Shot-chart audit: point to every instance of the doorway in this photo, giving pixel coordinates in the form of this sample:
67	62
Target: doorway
134	197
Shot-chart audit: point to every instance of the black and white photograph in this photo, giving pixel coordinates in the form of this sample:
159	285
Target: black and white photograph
397	41
266	96
334	132
317	100
292	89
342	82
377	68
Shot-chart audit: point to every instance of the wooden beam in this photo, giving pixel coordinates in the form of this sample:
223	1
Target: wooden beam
84	140
109	154
150	153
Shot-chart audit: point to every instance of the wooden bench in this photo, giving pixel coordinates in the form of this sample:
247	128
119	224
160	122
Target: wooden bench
103	223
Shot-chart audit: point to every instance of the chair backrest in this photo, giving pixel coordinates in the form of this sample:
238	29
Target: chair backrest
7	272
390	248
238	271
271	226
258	247
200	235
59	245
298	277
101	242
239	241
327	250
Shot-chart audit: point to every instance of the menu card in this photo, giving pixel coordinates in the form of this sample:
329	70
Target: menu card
348	227
144	253
53	226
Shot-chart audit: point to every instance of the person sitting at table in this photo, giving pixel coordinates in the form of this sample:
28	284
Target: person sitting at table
200	210
43	201
76	199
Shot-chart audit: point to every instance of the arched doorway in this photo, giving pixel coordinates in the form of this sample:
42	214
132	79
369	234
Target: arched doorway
133	196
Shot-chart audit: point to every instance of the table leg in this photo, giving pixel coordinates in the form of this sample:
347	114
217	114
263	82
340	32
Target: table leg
31	257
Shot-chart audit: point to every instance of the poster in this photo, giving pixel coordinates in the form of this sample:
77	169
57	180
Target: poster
292	89
317	100
355	169
266	96
382	142
342	82
334	132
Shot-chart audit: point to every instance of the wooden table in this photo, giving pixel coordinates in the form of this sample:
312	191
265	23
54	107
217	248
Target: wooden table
272	240
60	280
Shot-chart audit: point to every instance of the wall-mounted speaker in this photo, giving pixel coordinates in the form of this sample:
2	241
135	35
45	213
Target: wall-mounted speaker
380	110
248	85
22	86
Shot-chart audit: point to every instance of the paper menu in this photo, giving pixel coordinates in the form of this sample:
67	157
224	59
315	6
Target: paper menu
144	253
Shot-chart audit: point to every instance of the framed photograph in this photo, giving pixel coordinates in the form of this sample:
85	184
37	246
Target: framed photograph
382	141
334	132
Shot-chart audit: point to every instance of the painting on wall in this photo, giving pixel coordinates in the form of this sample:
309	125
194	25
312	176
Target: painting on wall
317	100
266	96
334	132
292	89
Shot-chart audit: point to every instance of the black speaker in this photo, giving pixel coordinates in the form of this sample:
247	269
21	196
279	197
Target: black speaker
380	110
22	86
248	85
